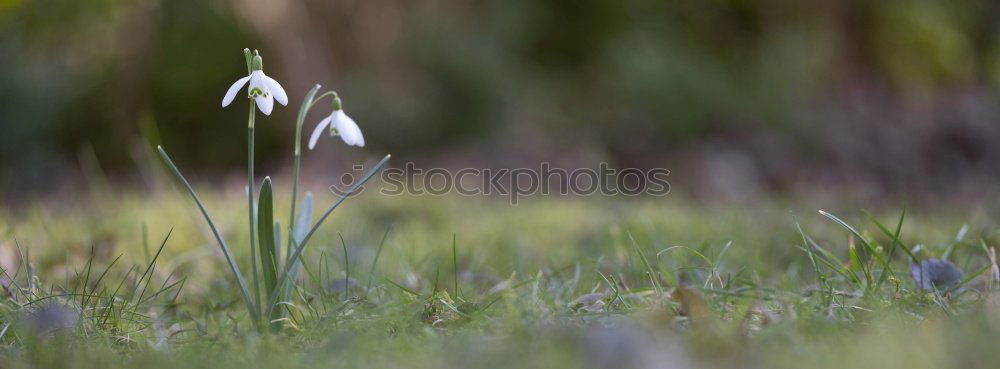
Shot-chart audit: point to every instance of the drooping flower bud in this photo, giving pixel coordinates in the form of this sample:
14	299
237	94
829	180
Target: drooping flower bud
257	63
337	104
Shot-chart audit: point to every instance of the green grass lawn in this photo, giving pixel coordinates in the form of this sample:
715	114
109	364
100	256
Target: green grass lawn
571	282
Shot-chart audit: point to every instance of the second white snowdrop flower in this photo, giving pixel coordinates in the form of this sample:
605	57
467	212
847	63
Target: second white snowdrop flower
263	89
340	124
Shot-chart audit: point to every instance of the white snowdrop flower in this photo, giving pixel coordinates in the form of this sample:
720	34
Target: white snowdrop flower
340	124
263	89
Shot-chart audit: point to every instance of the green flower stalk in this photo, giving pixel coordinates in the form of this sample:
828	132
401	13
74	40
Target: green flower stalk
262	91
303	111
352	137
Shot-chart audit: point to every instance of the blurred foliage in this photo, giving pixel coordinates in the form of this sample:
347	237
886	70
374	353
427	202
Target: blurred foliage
627	79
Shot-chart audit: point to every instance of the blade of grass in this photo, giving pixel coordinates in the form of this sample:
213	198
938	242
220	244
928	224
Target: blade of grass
820	277
26	256
856	263
163	288
111	298
371	271
347	264
173	300
834	263
646	265
614	289
437	278
145	241
907	250
86	277
97	283
895	240
148	274
718	261
454	260
407	290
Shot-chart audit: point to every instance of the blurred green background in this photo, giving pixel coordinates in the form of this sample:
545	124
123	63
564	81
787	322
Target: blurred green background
738	97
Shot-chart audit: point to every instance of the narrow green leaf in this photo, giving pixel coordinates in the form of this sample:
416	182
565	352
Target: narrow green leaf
277	243
305	217
301	227
244	291
265	233
347	264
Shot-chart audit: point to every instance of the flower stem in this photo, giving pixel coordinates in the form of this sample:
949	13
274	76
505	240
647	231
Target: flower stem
307	104
320	97
250	207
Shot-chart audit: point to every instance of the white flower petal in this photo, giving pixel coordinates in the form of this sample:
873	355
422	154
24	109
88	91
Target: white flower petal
276	90
264	98
265	104
318	131
231	93
348	130
257	81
